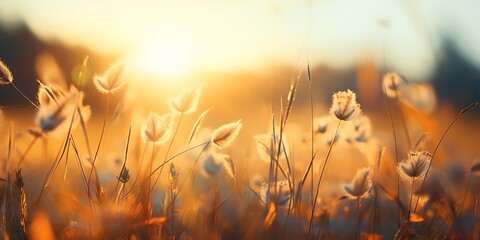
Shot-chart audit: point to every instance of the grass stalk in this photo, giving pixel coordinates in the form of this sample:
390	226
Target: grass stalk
397	158
359	216
410	201
24	96
310	223
459	115
168	149
99	141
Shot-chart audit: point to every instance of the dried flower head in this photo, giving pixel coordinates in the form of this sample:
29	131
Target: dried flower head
280	196
345	106
187	102
48	94
213	163
421	97
54	110
224	135
173	174
256	181
267	146
361	184
124	175
393	84
360	130
415	166
322	124
6	76
112	80
157	129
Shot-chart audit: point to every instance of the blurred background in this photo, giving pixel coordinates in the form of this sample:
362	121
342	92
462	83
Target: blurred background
246	51
245	54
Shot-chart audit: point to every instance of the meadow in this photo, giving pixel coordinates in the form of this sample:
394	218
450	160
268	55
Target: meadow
121	169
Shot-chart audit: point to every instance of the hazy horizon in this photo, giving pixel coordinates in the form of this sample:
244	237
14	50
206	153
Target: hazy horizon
175	38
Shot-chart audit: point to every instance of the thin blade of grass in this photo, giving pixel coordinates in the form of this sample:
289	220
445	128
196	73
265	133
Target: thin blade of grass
196	126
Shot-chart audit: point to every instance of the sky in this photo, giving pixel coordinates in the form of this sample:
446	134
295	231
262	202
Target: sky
175	37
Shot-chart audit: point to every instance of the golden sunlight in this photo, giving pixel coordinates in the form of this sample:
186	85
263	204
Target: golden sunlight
166	58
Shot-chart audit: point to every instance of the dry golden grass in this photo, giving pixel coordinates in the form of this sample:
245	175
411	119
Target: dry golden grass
310	173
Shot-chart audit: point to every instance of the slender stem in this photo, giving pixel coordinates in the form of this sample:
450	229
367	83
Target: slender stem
402	119
84	177
270	169
411	197
168	149
124	165
26	151
150	167
396	154
100	140
191	168
56	163
475	207
463	111
50	173
87	143
466	191
178	154
172	193
375	189
117	198
359	215
140	167
312	136
321	176
24	96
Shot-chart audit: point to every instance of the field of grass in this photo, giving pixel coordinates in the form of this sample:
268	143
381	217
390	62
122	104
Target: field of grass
280	171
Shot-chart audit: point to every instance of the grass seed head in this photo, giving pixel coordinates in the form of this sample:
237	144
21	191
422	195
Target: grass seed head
267	146
361	184
57	106
322	124
112	80
415	166
213	163
124	175
226	134
421	97
393	84
360	129
157	129
6	76
187	102
280	196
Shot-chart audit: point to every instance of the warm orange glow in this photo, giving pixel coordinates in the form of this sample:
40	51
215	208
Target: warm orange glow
166	58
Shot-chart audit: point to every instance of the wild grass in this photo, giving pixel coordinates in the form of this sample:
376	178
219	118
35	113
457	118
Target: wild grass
344	178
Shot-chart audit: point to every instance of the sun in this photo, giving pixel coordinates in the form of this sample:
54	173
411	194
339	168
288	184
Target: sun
166	58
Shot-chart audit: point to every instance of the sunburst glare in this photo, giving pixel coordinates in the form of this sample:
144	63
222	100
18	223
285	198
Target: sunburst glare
166	58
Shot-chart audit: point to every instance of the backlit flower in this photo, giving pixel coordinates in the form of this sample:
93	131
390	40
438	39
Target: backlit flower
415	166
361	184
224	135
187	102
280	196
267	146
54	110
393	84
345	106
421	97
112	80
157	129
